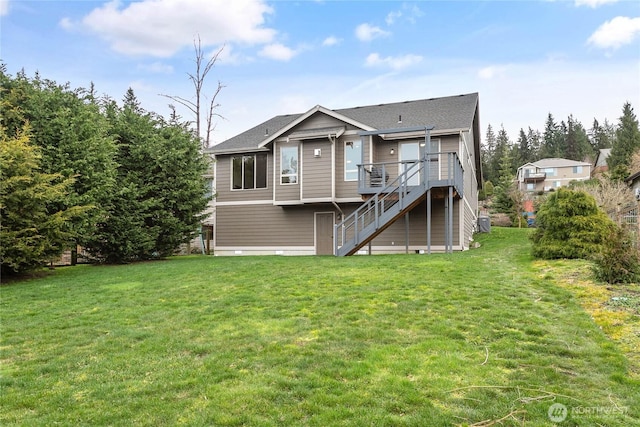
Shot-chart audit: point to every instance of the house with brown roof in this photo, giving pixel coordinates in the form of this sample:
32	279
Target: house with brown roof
600	165
390	178
550	174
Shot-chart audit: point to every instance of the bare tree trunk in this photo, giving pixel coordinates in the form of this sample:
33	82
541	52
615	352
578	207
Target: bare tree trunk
203	67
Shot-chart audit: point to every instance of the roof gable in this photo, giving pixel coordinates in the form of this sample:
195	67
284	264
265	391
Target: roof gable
305	116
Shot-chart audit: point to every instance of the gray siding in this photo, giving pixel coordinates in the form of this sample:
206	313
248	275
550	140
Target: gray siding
224	193
347	189
265	225
286	192
316	171
470	188
395	234
317	121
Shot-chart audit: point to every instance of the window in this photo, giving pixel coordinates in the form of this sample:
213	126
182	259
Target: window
550	171
289	165
531	187
557	184
249	172
577	169
352	157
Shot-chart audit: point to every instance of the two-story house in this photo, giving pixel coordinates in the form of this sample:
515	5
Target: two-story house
549	174
389	178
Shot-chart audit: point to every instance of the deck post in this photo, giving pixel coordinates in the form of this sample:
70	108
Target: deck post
406	233
450	212
429	221
446	224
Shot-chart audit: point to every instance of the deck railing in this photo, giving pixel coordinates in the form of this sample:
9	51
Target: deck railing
394	187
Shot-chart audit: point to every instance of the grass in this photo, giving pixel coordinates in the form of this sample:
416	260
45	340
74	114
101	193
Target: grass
485	337
614	308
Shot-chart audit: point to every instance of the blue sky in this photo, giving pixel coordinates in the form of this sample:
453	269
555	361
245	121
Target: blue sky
525	58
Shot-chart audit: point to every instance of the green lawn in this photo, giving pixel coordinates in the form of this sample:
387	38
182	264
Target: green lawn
476	338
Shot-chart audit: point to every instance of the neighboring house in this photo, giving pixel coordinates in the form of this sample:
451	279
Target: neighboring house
634	182
549	174
600	165
400	177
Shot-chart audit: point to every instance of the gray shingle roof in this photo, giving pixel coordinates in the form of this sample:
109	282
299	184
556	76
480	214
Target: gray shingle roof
446	113
452	112
555	162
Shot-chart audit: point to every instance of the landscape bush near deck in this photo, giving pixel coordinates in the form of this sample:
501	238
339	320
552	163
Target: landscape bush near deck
483	337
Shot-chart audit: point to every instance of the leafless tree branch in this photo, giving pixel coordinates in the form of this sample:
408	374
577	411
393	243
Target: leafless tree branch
203	67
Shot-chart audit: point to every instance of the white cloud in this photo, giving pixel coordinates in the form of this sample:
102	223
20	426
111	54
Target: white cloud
229	57
593	3
278	52
409	12
616	33
492	71
392	17
393	62
412	13
4	7
66	24
157	68
162	27
331	41
366	32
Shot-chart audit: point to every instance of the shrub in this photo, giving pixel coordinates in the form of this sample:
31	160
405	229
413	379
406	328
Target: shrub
619	261
488	188
570	225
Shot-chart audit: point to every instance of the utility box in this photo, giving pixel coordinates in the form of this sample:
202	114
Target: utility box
484	224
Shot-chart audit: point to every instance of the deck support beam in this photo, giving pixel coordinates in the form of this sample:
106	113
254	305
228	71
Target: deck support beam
406	233
450	221
429	221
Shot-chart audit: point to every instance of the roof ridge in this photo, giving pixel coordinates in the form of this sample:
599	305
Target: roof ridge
406	102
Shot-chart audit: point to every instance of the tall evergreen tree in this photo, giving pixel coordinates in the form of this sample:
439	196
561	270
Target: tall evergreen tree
626	143
503	202
534	140
488	153
601	136
32	231
523	149
122	235
577	145
553	139
72	135
502	148
161	193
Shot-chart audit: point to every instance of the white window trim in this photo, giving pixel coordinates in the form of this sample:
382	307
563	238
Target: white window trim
346	143
296	175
